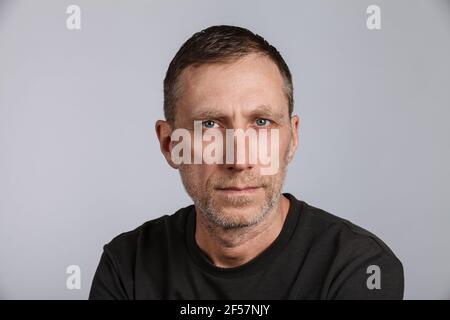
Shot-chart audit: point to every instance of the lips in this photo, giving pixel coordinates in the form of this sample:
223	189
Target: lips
238	188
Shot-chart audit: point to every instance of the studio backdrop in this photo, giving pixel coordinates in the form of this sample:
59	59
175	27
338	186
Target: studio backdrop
81	89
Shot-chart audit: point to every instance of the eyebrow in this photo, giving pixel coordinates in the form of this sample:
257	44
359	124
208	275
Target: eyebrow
209	114
266	111
259	111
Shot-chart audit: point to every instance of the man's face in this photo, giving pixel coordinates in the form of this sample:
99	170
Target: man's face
246	93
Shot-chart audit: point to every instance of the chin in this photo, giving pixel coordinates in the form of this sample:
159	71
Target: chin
241	216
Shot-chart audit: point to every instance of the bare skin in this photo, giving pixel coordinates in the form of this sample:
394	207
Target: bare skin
239	213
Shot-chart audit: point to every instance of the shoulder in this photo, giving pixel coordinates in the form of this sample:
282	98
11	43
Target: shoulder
150	233
342	232
115	274
352	254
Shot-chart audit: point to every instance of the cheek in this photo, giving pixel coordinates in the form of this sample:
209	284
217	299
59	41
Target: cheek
284	145
196	175
278	146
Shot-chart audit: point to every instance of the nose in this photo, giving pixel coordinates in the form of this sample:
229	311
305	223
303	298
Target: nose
240	150
238	166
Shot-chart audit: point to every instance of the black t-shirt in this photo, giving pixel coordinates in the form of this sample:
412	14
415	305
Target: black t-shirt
316	256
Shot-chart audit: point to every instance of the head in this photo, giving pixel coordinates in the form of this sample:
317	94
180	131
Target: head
230	78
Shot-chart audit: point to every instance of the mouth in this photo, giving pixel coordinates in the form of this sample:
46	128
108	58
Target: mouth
238	190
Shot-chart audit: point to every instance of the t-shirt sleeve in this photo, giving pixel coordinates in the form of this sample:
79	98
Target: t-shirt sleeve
107	284
367	271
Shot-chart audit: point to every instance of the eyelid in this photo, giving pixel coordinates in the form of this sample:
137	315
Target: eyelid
268	120
215	122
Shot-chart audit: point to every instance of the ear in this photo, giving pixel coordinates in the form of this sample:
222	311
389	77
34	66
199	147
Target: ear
294	137
163	131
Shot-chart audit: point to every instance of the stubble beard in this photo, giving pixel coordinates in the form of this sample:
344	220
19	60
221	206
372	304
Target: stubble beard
214	214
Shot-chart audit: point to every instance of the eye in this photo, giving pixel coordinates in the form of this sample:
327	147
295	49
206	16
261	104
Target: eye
208	124
262	122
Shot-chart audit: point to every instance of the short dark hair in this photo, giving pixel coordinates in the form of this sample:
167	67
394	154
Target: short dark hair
220	44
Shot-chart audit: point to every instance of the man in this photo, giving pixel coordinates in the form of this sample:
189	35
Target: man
242	238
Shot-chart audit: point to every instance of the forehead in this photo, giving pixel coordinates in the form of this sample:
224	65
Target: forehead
235	87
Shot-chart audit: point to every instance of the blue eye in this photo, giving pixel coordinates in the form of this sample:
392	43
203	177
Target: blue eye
262	122
208	124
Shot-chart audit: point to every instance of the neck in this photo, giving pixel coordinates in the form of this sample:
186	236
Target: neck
229	248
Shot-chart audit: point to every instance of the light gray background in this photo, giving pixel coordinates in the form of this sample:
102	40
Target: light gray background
80	162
